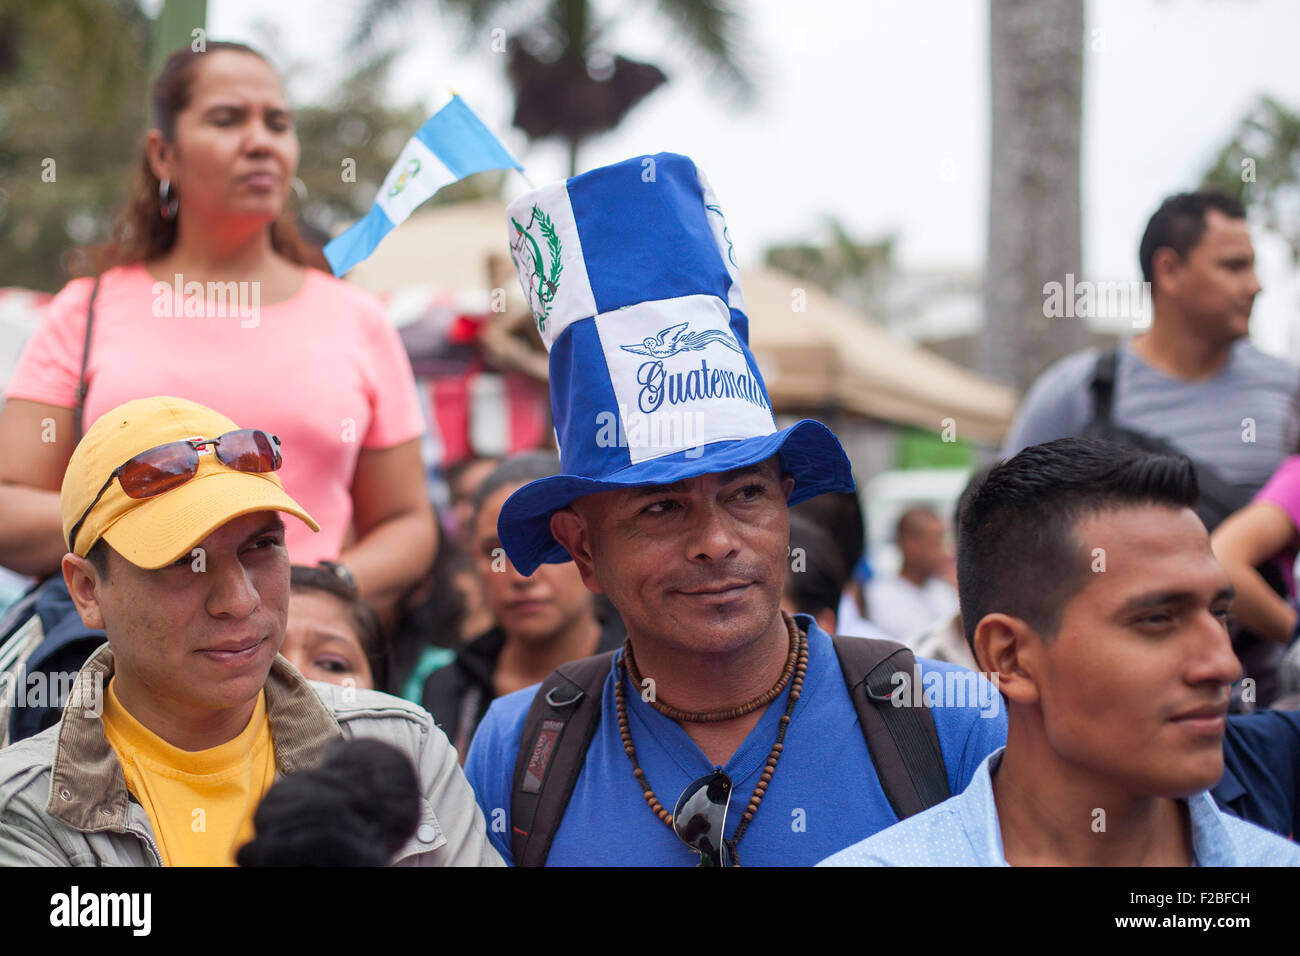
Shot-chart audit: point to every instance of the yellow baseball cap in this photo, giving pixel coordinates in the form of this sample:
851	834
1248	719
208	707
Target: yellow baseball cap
154	532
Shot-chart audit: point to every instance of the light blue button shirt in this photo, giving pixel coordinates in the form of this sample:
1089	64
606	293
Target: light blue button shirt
964	831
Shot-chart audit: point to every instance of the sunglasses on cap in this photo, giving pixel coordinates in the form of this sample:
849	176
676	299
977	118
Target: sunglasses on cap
700	818
164	467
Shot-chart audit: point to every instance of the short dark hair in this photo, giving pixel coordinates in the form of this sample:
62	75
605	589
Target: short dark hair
451	474
820	581
370	633
98	557
1179	224
1017	552
517	470
839	514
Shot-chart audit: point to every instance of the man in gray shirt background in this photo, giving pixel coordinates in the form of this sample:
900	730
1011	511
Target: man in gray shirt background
1192	382
1192	379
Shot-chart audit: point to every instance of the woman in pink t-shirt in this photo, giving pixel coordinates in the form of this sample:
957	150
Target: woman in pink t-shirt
210	298
1267	529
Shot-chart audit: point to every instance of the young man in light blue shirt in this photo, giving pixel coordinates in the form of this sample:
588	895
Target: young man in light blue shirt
1088	587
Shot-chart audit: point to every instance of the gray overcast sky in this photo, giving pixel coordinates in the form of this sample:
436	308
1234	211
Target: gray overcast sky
877	111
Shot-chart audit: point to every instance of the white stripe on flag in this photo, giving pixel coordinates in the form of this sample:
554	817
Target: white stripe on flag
415	177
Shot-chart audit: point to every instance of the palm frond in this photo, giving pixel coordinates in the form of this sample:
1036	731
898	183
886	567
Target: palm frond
717	30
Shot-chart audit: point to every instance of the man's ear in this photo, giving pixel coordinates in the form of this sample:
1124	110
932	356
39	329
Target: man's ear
1010	648
787	485
570	529
1166	270
83	584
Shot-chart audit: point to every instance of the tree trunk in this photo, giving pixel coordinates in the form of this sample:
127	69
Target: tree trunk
1034	237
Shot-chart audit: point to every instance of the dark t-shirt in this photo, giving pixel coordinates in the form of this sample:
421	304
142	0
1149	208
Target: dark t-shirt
1261	778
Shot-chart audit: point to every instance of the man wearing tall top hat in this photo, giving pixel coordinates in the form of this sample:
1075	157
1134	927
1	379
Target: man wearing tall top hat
724	731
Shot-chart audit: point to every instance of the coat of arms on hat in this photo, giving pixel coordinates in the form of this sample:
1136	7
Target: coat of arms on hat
541	275
676	339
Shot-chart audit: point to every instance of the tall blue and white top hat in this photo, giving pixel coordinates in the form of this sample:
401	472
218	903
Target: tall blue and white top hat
632	280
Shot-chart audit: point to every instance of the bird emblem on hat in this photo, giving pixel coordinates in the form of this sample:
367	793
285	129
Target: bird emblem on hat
676	339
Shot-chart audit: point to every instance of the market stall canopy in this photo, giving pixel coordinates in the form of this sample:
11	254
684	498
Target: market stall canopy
831	355
827	356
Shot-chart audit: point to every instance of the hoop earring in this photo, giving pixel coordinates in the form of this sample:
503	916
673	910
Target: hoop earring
168	204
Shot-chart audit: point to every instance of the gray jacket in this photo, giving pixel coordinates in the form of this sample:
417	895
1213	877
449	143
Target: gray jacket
64	801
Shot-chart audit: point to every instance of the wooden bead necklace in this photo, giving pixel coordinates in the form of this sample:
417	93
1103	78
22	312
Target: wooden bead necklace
797	667
729	713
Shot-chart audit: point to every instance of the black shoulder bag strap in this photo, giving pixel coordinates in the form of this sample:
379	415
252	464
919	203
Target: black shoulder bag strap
552	749
1103	385
562	719
79	412
1217	498
902	739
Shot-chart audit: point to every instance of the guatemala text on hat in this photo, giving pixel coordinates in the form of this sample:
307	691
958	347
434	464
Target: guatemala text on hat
632	280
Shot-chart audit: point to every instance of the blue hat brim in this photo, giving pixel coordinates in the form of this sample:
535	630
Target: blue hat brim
810	453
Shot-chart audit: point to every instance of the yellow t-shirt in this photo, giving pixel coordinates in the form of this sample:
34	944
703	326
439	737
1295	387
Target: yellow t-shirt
200	802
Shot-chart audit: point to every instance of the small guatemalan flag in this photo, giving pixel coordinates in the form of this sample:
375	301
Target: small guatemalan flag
453	144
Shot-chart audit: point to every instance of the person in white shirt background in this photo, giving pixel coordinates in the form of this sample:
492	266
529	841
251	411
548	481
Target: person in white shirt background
906	605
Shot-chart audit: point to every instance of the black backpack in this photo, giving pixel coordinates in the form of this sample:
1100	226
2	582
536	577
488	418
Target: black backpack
561	722
1218	498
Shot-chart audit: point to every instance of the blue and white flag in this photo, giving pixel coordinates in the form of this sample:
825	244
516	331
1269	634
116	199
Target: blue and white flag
453	144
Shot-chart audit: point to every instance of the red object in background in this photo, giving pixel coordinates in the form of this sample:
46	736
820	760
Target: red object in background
472	410
465	329
483	413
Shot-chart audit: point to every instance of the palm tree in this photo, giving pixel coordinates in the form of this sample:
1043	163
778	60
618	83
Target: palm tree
1034	231
567	84
1260	166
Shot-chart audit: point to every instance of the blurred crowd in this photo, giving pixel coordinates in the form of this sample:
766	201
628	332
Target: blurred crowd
131	460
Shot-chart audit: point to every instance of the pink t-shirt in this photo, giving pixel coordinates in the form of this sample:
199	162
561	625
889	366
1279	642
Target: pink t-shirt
1283	489
325	371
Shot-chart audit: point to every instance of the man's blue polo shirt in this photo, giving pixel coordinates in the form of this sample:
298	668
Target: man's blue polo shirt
824	796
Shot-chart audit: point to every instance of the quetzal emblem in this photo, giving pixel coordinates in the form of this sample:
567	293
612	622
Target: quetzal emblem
676	339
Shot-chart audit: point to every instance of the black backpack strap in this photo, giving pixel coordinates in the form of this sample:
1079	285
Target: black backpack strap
1103	385
1217	496
902	740
552	748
